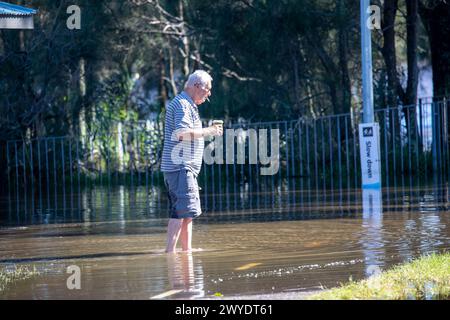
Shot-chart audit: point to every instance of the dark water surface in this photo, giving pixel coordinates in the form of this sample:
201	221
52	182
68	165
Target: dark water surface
270	243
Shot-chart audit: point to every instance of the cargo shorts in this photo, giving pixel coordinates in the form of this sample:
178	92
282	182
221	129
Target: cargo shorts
183	194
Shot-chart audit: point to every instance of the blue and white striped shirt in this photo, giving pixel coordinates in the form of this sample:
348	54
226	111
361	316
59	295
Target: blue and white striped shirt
182	113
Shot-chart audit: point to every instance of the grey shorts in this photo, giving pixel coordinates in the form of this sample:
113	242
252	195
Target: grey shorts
183	194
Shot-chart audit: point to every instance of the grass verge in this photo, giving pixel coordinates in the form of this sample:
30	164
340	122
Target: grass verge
425	278
19	273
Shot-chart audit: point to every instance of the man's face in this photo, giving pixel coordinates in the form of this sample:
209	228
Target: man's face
202	93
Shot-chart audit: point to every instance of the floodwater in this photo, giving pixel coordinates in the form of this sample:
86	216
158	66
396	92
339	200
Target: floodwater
117	237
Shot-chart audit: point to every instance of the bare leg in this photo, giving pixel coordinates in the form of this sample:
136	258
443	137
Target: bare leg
173	233
186	234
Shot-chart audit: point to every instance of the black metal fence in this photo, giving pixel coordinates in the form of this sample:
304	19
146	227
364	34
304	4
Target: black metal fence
315	155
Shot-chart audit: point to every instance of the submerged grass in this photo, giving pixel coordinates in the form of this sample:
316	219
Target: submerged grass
19	273
425	278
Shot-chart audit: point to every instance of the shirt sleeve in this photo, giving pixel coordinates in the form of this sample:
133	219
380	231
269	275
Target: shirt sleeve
183	119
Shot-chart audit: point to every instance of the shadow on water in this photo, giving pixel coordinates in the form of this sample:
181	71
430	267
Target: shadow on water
274	242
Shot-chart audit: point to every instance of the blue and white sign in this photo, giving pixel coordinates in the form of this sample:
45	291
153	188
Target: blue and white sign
369	142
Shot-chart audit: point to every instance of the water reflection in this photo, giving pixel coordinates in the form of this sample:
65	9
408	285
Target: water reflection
122	204
430	221
372	239
270	199
185	277
85	205
119	235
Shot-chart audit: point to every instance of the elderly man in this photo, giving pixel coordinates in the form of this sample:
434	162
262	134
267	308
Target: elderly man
181	166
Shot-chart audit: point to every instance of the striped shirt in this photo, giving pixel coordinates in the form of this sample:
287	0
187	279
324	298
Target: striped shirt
182	113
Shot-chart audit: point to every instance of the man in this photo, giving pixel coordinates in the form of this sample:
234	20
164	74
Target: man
181	166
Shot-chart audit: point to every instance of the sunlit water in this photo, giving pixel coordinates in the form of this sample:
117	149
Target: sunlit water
252	244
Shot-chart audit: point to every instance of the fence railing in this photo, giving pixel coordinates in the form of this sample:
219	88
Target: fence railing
314	155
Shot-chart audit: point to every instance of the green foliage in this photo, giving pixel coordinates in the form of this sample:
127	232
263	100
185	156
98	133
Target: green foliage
270	60
263	55
424	278
19	273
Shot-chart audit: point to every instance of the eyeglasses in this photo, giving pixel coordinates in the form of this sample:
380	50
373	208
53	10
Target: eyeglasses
198	85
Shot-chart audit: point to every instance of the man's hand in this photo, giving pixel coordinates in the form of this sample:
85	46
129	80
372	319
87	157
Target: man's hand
214	130
191	134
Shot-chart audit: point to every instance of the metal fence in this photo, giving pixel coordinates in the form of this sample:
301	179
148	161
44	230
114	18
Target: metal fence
316	157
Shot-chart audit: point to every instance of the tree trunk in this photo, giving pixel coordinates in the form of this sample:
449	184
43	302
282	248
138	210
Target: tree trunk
162	85
388	50
413	69
172	72
185	41
345	83
295	66
18	103
394	89
332	80
412	35
436	20
2	45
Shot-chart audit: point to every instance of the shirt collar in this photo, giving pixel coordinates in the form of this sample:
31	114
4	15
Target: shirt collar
188	98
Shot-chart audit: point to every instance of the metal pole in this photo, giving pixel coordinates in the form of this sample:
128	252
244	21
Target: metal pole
324	175
366	46
339	151
292	137
347	153
70	164
24	164
410	111
369	130
316	169
308	170
258	184
300	159
31	164
286	134
394	159
54	173
63	165
17	171
355	157
8	167
386	142
434	135
138	156
47	174
330	142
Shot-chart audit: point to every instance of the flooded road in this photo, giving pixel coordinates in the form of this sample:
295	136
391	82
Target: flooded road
117	240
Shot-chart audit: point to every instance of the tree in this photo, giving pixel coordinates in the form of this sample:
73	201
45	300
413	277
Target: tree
396	94
435	15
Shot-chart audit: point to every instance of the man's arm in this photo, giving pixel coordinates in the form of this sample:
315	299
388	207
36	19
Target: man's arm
186	134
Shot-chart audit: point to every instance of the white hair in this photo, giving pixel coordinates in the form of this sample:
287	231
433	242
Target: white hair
198	77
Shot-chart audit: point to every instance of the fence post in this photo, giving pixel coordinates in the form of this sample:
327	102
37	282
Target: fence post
434	136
